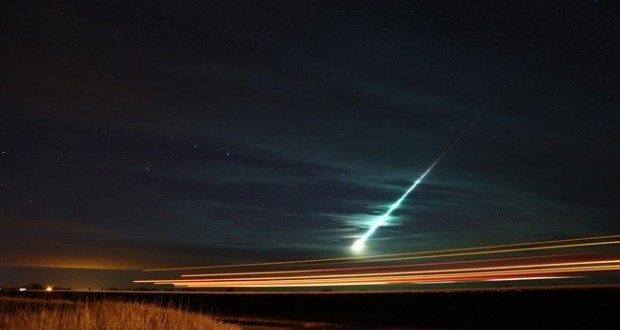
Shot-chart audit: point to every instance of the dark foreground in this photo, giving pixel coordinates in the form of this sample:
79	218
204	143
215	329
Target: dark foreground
553	308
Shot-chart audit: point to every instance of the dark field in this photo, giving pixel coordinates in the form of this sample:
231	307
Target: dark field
557	308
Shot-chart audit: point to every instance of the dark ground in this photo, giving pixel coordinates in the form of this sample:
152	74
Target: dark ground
548	308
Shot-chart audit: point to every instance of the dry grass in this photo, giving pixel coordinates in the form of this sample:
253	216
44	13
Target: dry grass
31	314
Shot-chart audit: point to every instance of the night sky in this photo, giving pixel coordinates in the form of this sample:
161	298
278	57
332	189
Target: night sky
168	133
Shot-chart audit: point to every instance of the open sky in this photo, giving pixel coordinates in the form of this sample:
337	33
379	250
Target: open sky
168	133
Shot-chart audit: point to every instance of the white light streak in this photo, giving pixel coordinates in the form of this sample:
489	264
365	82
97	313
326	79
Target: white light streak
358	245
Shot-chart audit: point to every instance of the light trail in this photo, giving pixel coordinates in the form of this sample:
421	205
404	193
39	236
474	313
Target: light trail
328	270
358	245
473	274
462	254
522	267
525	268
502	248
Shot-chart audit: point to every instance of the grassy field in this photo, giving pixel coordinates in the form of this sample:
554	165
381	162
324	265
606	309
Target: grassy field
31	314
523	308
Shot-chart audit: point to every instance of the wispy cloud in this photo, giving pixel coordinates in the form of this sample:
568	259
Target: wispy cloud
52	226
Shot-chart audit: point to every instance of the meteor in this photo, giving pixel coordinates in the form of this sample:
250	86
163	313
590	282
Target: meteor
358	245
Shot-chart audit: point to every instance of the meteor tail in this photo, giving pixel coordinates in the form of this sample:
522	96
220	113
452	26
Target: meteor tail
358	245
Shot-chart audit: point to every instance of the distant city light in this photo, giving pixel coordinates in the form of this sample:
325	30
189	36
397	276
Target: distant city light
22	289
49	289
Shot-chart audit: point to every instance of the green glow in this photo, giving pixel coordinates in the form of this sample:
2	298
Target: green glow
358	245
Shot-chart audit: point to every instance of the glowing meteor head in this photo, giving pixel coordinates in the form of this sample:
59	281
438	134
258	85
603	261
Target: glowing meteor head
358	245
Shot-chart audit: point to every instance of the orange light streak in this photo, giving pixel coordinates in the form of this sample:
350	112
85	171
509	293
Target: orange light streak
457	274
327	270
458	271
393	256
